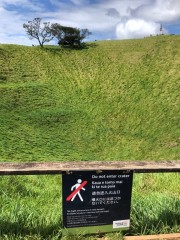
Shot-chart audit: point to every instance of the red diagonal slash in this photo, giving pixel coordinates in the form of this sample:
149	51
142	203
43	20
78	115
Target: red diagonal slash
75	191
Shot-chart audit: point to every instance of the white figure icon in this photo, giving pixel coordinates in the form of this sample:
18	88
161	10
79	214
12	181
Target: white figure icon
79	181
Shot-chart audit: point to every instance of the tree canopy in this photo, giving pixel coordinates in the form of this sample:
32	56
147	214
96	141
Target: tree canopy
69	35
45	32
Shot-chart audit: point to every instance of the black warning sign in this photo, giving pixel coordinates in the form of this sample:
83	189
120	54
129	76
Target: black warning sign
96	199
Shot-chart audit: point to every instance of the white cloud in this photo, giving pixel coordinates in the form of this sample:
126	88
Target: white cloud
14	2
79	2
94	19
11	28
14	39
28	4
145	19
136	28
143	16
110	19
112	12
159	11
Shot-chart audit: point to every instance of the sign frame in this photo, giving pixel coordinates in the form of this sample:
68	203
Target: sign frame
96	201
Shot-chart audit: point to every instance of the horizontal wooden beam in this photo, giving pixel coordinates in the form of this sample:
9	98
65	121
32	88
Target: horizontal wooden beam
32	168
171	236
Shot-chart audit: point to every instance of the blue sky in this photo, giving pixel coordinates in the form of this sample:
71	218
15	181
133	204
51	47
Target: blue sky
106	19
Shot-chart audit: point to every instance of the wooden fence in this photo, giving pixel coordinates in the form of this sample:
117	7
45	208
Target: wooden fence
37	168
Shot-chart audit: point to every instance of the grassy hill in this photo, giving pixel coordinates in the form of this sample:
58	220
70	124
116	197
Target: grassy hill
112	100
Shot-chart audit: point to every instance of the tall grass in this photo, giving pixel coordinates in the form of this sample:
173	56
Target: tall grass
114	100
31	207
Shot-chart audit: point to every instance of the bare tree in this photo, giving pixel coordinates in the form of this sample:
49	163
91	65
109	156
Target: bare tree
35	30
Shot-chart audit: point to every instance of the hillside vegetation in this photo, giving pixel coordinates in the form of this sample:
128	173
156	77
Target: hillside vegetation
112	100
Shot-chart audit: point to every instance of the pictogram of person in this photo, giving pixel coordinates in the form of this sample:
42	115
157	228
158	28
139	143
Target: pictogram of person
79	181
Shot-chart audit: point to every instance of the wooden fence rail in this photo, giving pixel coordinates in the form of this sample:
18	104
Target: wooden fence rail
36	168
171	236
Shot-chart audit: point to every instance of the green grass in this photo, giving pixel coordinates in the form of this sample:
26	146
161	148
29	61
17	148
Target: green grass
114	100
31	207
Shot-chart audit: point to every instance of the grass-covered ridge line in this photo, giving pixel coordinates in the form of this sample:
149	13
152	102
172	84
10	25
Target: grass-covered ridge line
112	100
